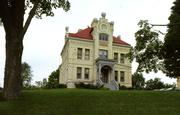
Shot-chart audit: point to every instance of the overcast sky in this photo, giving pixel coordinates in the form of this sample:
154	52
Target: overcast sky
44	39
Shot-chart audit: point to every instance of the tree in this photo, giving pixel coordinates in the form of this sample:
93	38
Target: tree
12	16
41	84
53	79
152	54
155	83
147	50
171	49
44	83
26	74
138	81
38	84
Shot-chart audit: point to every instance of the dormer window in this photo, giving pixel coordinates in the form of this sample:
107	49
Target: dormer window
103	36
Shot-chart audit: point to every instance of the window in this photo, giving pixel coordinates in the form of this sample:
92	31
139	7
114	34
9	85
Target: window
79	53
116	56
116	75
103	36
103	54
122	75
79	71
122	58
87	54
86	73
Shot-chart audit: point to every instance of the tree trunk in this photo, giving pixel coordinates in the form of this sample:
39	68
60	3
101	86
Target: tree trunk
178	82
13	18
12	79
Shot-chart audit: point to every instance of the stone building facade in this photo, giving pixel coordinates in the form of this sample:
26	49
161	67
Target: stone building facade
94	56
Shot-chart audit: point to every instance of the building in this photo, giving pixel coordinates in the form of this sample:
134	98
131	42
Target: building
93	55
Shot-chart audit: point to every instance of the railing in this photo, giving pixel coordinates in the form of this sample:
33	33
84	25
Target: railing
115	84
99	83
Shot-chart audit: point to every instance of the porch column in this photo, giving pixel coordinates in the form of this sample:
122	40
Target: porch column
113	77
99	71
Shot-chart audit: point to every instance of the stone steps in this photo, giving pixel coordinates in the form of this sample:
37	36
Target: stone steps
110	86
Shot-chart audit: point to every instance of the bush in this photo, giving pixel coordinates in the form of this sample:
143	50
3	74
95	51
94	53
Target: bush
62	86
156	83
53	80
31	87
103	88
86	86
169	85
138	81
122	87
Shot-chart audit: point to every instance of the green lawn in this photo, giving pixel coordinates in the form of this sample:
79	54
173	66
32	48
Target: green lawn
92	102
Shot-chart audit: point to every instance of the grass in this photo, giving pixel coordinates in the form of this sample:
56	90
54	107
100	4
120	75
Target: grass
92	102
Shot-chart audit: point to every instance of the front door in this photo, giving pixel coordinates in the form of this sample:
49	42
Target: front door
105	72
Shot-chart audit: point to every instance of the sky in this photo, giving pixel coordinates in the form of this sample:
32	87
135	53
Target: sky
44	39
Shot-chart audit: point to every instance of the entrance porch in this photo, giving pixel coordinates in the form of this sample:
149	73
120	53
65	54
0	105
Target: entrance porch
105	73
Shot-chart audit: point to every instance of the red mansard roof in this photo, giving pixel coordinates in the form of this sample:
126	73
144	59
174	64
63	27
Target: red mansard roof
119	41
86	34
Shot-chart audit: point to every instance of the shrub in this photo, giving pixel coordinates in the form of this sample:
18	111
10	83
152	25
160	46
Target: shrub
103	88
53	80
86	86
122	87
32	87
156	83
169	85
62	86
138	81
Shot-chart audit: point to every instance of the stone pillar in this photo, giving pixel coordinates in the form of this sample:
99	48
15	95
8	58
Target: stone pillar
99	72
178	82
113	77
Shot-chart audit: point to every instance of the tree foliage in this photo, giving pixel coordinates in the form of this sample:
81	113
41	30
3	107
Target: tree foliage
155	83
41	84
138	81
26	74
147	50
152	54
171	47
12	16
53	80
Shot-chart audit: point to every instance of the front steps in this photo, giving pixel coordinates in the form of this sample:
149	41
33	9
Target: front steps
110	86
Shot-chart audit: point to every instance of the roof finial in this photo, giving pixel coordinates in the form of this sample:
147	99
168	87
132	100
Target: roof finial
67	29
103	14
112	23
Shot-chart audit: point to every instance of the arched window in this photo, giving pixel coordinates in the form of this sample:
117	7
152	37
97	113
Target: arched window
103	36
